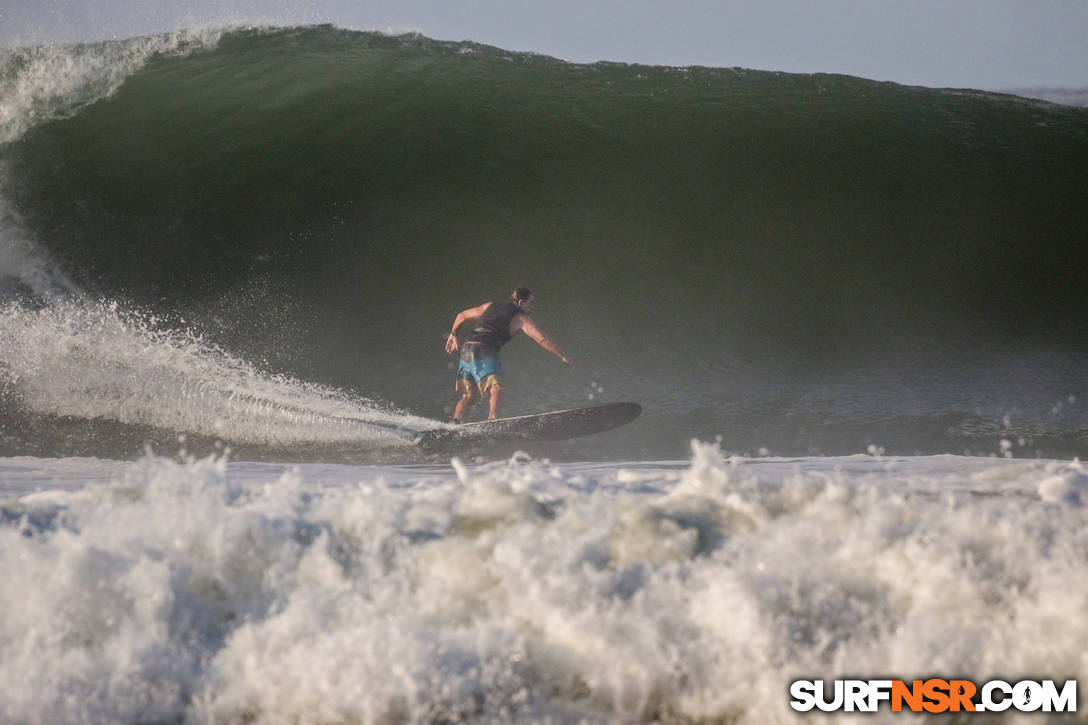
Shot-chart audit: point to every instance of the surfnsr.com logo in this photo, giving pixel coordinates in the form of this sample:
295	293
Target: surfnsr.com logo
933	696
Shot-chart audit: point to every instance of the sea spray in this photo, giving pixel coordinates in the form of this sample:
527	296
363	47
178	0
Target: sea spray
90	360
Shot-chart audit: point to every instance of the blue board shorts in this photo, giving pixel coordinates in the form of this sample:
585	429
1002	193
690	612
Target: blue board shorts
478	370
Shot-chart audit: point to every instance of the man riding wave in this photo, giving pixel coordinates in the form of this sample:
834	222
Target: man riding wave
480	369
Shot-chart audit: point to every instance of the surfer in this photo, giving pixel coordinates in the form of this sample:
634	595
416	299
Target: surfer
496	322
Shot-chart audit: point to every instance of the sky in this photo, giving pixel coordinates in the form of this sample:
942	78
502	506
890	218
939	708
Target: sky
989	44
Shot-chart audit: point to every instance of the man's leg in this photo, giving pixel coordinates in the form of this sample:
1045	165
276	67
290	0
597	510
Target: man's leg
469	396
496	401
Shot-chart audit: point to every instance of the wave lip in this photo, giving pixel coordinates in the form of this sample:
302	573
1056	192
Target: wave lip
45	83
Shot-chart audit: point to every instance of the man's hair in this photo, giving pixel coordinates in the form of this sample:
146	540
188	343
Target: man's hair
520	294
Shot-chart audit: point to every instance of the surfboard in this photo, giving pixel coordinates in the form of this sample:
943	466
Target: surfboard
557	425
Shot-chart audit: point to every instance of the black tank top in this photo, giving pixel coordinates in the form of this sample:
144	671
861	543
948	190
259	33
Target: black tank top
493	327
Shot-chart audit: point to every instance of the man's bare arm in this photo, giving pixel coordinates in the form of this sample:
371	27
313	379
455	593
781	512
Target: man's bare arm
525	323
462	317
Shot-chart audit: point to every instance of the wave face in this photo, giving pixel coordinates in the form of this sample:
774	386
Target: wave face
802	263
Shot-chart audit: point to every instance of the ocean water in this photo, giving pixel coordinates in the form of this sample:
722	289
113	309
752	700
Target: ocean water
854	313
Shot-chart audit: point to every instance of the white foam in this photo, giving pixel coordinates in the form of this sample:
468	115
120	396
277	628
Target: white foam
525	591
1066	484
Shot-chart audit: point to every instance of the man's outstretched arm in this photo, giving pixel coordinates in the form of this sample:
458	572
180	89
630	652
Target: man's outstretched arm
463	317
525	323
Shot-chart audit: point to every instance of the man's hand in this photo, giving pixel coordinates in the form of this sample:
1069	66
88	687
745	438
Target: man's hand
462	317
567	361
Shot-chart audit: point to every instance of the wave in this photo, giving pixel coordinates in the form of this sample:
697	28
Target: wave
704	240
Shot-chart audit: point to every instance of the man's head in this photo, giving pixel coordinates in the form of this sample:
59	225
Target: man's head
523	298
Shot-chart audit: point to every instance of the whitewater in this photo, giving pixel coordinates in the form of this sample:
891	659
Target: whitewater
519	590
865	400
